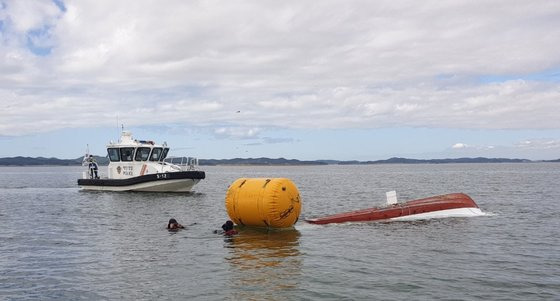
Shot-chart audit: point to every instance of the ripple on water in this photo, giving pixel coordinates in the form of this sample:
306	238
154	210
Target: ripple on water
57	242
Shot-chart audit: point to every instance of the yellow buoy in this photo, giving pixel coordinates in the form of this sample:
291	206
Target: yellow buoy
261	202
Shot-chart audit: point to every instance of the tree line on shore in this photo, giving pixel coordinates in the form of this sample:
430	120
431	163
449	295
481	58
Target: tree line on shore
37	161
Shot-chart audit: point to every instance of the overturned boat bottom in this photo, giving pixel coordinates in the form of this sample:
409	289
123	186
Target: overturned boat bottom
448	205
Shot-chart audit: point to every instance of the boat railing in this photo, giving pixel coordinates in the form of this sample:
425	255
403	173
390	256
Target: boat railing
183	163
87	174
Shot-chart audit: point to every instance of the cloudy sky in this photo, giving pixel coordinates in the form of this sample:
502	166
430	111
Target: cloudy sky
343	80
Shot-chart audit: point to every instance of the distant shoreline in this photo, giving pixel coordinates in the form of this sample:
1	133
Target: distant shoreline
40	161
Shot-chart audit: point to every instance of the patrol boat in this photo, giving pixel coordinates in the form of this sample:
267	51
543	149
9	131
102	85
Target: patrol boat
139	165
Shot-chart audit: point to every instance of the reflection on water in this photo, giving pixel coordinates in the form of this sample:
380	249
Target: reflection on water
264	264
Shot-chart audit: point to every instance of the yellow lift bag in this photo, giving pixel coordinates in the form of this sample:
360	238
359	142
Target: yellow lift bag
261	202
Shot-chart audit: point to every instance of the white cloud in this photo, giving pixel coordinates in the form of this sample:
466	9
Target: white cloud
459	146
542	144
534	149
237	132
22	16
287	64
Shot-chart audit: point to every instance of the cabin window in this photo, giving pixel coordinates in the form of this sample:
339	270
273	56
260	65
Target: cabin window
142	154
113	154
126	153
164	154
156	153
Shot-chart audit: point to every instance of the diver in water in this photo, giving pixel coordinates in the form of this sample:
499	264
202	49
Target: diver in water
173	225
228	228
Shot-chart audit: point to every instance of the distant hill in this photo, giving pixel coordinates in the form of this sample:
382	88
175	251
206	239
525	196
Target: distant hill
396	160
258	161
28	161
21	161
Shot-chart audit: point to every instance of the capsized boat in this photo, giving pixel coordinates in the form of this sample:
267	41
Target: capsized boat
140	165
447	205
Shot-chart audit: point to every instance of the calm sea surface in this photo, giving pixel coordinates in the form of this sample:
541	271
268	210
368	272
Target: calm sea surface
59	243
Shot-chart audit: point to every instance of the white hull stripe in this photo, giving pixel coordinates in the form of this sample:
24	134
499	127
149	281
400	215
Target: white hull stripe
457	212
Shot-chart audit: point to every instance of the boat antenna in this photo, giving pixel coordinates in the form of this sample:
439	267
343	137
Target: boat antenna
86	156
118	125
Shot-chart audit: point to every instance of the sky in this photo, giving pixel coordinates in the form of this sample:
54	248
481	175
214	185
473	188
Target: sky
339	80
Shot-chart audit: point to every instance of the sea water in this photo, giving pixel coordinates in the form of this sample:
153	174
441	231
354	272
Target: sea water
60	243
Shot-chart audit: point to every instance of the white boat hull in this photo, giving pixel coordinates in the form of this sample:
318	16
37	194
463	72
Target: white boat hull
179	185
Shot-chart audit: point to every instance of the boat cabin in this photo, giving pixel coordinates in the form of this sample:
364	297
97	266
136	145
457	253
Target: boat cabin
132	158
141	153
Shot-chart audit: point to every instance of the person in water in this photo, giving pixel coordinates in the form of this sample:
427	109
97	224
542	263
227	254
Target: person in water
228	228
174	225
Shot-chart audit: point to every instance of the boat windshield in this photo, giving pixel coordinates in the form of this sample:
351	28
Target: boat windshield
142	154
126	153
164	154
156	153
113	154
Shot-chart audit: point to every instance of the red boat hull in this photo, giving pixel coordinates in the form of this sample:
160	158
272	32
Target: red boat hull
431	204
